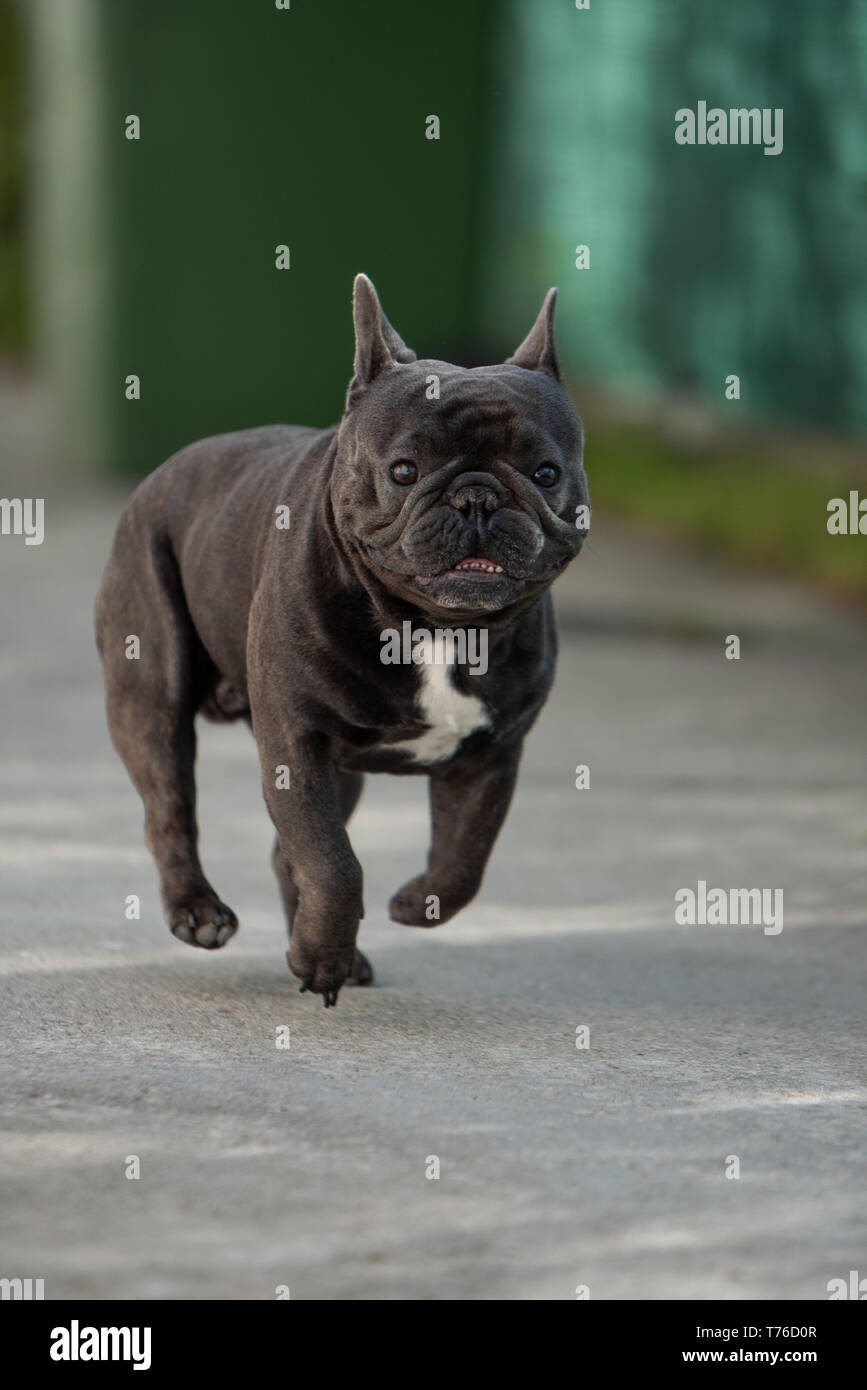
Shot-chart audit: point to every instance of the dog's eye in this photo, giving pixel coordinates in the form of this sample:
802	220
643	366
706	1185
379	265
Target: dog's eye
546	475
404	472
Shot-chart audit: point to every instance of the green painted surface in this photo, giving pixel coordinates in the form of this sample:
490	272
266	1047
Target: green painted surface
262	128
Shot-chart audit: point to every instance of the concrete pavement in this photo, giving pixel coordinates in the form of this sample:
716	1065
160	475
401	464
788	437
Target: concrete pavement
305	1166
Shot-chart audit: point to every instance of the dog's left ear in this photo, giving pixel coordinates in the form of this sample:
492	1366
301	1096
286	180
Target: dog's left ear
377	344
537	352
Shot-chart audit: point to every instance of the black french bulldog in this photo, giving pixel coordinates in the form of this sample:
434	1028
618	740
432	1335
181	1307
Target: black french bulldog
261	572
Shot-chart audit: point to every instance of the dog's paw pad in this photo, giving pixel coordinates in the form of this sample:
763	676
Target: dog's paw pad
184	930
207	923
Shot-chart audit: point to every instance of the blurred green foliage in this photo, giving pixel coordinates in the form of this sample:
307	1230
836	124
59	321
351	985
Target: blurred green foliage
749	506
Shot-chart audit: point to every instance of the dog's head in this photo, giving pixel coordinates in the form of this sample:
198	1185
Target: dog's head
458	488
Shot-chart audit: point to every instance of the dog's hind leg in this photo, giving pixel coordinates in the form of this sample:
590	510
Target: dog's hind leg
350	786
153	690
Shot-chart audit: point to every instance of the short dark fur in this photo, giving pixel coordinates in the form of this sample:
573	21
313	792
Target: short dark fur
240	619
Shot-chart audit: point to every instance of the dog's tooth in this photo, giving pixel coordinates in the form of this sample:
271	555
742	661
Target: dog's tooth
472	566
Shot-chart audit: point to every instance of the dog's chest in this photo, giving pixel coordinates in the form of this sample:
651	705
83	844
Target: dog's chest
449	714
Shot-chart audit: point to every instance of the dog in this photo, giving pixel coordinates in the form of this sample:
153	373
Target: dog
254	575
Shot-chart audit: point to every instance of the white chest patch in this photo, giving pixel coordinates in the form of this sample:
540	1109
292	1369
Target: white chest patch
449	714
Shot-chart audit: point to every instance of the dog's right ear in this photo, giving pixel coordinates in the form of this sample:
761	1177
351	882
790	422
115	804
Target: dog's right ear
377	345
537	352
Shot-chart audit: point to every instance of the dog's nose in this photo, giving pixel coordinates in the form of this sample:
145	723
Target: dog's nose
477	499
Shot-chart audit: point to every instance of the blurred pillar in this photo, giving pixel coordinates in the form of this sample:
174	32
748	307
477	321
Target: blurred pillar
69	259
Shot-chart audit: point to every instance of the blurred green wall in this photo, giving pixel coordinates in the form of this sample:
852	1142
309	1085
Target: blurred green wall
259	127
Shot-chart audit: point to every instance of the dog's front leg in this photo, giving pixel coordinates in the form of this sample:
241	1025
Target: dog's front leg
303	796
469	799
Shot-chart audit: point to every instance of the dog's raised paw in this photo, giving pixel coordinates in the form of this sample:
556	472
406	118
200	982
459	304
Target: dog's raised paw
205	922
418	904
409	905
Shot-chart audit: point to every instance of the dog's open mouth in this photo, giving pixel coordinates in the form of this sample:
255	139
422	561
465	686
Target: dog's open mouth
477	567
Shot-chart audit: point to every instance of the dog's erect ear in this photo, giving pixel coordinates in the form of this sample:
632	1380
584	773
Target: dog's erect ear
537	353
377	345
